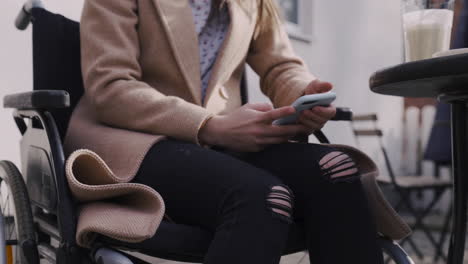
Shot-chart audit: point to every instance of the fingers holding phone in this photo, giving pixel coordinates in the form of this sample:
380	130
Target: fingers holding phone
318	86
315	118
252	127
249	128
309	102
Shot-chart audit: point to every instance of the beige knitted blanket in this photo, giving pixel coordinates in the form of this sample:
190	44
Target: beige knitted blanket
120	210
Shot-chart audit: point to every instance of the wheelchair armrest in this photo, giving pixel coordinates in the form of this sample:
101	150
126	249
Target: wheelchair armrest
343	114
42	99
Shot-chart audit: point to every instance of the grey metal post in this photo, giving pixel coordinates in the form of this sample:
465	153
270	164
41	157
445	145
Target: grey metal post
24	16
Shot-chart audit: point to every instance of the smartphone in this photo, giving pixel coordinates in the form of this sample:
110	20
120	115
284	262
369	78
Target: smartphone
304	103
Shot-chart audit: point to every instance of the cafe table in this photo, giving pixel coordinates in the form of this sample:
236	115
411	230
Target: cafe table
444	78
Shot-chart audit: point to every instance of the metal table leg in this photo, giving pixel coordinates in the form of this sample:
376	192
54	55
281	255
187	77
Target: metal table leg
460	170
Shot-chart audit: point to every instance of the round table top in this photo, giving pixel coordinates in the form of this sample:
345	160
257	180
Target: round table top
443	76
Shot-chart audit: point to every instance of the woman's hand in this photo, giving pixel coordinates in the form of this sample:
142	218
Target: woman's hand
249	128
316	118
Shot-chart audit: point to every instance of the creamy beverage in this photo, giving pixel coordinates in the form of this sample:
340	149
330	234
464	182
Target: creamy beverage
426	31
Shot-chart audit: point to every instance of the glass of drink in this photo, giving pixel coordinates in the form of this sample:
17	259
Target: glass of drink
427	27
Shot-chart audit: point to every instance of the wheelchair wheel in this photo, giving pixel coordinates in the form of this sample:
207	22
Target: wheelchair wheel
394	253
18	227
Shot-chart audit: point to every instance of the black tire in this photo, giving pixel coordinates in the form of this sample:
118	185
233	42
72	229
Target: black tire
11	179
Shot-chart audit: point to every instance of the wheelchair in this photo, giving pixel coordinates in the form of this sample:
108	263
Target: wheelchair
38	216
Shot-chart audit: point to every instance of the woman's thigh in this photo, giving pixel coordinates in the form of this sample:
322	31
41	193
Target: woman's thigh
197	184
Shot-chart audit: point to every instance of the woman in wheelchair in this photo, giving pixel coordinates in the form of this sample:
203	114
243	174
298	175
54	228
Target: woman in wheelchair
163	108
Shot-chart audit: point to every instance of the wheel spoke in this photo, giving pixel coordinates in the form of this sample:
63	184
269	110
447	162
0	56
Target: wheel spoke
11	231
7	227
11	226
4	209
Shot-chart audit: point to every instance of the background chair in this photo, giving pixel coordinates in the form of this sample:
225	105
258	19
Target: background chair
42	117
405	186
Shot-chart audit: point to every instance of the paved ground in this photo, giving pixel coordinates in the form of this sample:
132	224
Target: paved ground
422	241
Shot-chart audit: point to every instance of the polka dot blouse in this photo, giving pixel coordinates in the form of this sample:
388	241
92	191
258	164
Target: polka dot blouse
211	35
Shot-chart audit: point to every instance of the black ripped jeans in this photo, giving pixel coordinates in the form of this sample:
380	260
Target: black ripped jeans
248	201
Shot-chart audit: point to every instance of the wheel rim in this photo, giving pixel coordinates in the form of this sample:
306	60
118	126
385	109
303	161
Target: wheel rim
10	226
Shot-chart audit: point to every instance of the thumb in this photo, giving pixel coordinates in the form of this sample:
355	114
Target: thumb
262	107
318	86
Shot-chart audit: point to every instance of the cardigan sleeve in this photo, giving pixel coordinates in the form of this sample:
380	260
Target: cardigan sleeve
283	75
113	76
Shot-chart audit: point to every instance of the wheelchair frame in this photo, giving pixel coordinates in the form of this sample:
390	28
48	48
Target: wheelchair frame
41	131
56	228
2	240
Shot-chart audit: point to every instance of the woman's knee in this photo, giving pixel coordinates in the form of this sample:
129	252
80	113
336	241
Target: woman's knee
256	197
280	200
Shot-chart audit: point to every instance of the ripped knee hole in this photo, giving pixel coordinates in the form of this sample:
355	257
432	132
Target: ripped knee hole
337	166
281	201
